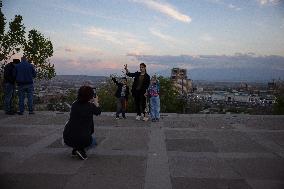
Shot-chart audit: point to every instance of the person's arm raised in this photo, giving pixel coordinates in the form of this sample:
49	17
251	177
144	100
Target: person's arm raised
126	69
128	73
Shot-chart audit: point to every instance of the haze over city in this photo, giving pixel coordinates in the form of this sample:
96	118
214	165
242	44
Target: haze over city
212	39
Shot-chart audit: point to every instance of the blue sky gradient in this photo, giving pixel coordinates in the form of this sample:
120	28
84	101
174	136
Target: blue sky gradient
99	37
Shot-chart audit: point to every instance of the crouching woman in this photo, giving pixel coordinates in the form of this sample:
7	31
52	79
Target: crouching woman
80	126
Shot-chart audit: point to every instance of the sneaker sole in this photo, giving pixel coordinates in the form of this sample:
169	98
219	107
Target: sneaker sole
80	155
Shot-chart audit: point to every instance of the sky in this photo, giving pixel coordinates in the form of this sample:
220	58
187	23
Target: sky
97	37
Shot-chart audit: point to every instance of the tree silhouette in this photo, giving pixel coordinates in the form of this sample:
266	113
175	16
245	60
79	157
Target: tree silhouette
36	47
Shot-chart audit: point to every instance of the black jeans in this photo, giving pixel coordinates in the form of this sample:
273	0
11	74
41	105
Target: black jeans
9	90
140	102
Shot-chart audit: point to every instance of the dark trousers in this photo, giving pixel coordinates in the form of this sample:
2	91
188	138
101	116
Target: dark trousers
121	105
140	102
9	90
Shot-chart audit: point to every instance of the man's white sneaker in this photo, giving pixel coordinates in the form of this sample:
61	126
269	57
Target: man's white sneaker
138	117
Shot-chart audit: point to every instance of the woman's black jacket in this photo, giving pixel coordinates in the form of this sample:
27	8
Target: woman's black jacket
80	126
145	85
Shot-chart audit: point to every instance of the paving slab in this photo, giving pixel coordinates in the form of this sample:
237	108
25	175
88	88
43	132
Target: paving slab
266	184
258	168
59	143
209	183
3	115
180	151
180	124
32	181
6	160
191	145
234	141
277	138
36	119
106	172
264	122
185	133
202	167
60	163
18	140
127	139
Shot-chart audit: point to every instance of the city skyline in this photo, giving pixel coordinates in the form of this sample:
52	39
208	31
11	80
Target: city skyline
99	37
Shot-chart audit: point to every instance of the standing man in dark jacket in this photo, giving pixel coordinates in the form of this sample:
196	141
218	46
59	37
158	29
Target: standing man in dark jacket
80	126
9	86
25	73
139	87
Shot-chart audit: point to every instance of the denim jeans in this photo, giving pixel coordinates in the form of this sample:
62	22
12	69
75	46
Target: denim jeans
9	90
93	145
155	107
22	90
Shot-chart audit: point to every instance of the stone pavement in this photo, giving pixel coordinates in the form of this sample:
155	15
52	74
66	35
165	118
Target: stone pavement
179	152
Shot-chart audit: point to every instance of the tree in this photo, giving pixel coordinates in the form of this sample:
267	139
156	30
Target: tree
169	97
12	41
36	47
2	21
106	98
278	107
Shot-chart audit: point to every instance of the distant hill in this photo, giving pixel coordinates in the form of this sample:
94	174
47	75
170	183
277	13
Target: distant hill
204	74
76	78
231	75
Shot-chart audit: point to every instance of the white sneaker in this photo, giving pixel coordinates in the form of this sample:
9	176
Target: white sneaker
138	117
145	118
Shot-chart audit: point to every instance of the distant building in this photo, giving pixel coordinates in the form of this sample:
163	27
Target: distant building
243	87
271	86
180	80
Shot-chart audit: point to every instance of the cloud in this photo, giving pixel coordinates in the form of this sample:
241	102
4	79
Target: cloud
84	66
124	39
234	7
266	2
87	12
104	34
166	9
164	37
230	6
68	50
207	38
78	49
282	24
238	60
